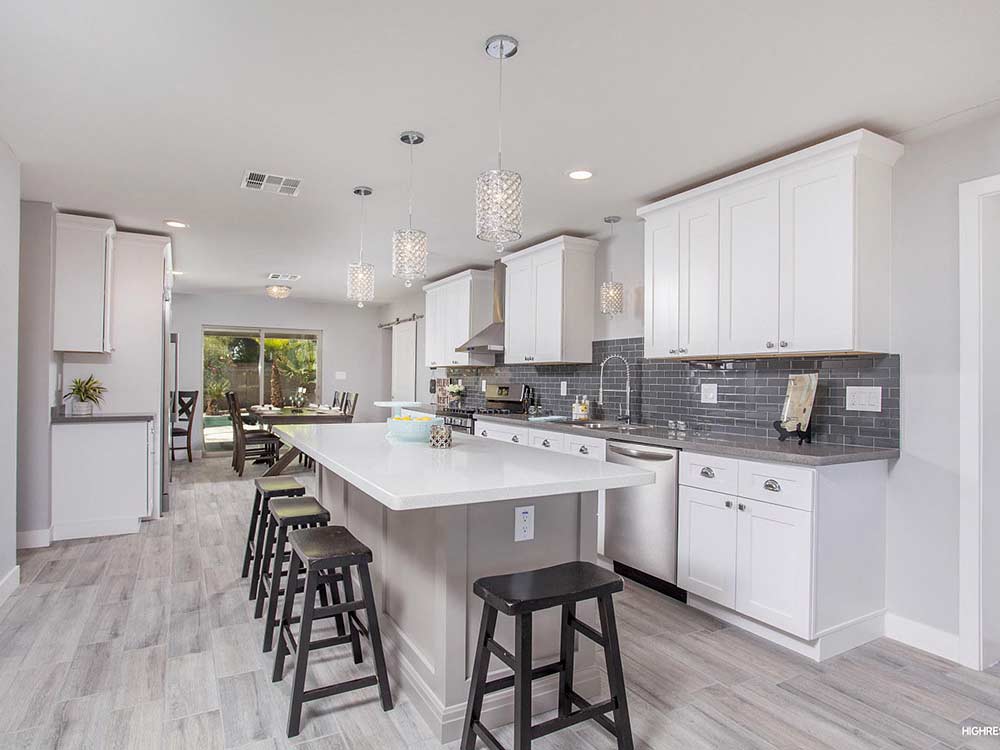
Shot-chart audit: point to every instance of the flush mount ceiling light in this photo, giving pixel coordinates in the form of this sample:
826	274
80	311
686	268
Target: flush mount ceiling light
498	191
175	224
612	292
409	246
361	275
580	174
177	273
277	291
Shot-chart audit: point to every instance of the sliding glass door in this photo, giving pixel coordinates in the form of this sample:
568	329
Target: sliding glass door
261	366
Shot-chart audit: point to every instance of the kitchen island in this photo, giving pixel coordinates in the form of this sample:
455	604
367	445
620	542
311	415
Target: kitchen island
438	519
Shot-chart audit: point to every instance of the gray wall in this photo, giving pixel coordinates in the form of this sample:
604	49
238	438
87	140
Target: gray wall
37	366
10	220
350	343
923	485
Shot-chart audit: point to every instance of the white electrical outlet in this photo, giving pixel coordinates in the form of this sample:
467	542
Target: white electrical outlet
524	523
709	393
864	398
482	386
460	381
562	388
340	375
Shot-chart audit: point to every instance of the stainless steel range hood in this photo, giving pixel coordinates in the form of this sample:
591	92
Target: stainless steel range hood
490	339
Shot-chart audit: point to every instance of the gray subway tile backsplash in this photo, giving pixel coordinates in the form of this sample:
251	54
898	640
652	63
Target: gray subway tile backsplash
751	391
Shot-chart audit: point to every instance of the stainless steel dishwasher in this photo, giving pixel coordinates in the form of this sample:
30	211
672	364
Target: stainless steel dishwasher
640	524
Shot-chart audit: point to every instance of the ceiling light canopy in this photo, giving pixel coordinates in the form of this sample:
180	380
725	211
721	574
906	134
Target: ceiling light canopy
361	275
175	224
409	246
498	191
277	291
612	292
580	174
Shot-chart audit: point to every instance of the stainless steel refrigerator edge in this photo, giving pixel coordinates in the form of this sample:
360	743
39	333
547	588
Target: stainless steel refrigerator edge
640	524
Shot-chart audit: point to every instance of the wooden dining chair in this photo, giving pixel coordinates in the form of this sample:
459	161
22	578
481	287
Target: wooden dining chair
335	400
259	445
186	402
350	404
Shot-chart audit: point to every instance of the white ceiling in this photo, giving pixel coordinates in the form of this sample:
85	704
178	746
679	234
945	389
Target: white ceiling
153	110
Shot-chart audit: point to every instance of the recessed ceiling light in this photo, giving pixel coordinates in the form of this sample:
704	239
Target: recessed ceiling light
581	174
175	224
177	273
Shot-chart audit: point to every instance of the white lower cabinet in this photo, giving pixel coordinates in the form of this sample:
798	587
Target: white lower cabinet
800	550
504	432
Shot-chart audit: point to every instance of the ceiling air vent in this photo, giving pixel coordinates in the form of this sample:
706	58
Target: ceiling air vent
271	183
284	276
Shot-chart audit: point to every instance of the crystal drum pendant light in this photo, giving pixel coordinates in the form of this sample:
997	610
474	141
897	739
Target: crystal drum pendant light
498	191
361	275
612	292
409	246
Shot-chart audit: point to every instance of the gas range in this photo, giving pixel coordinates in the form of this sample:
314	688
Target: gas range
500	399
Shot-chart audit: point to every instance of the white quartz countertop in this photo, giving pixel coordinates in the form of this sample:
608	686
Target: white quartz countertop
408	476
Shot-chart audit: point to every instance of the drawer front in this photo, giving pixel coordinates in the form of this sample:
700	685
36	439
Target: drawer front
553	441
779	484
709	472
593	448
504	433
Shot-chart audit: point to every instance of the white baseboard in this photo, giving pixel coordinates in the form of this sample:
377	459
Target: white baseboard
96	527
924	637
34	538
9	583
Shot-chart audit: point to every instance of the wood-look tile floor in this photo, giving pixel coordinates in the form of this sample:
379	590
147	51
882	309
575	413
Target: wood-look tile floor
148	641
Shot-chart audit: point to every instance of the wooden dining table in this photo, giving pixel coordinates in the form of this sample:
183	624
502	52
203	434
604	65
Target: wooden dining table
268	418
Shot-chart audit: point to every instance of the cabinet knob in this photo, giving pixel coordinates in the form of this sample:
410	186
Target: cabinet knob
583	450
546	443
682	350
513	439
741	506
707	472
769	345
782	344
673	351
772	486
484	433
729	503
454	361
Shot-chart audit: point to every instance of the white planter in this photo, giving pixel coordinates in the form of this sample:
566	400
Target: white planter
81	408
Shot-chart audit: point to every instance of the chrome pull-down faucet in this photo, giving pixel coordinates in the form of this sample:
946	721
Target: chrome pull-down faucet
627	419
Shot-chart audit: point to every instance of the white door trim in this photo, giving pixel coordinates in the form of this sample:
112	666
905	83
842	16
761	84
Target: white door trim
970	562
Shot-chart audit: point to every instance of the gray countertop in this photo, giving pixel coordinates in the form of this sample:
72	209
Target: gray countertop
757	449
58	417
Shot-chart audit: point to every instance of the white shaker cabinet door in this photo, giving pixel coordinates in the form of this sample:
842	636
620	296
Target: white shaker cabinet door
662	280
706	545
698	292
519	324
749	270
458	306
547	269
434	327
817	258
774	565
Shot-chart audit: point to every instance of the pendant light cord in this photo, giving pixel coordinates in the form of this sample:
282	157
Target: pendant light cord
361	250
410	208
500	113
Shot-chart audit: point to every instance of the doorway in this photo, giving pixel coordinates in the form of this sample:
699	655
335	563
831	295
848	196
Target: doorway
259	365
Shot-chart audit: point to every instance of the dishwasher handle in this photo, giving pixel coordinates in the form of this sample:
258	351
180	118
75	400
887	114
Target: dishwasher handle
640	454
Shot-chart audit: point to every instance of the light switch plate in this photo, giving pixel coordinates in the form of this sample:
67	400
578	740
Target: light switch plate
340	375
709	393
864	398
482	386
524	523
562	388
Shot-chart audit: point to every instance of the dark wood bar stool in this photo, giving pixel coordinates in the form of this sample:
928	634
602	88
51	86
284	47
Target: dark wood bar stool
326	555
519	595
287	514
266	488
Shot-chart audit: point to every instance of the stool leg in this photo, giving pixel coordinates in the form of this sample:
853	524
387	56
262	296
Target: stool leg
349	597
265	560
252	534
480	671
286	617
616	677
376	637
567	655
302	656
272	599
522	682
335	598
255	572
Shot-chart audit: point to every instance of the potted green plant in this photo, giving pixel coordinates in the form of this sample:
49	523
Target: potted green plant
85	393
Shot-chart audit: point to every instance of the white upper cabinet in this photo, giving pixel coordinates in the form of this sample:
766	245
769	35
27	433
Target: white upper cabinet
455	309
790	256
549	309
84	271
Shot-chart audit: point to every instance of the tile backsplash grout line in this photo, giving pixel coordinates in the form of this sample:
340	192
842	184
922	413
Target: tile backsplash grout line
751	391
